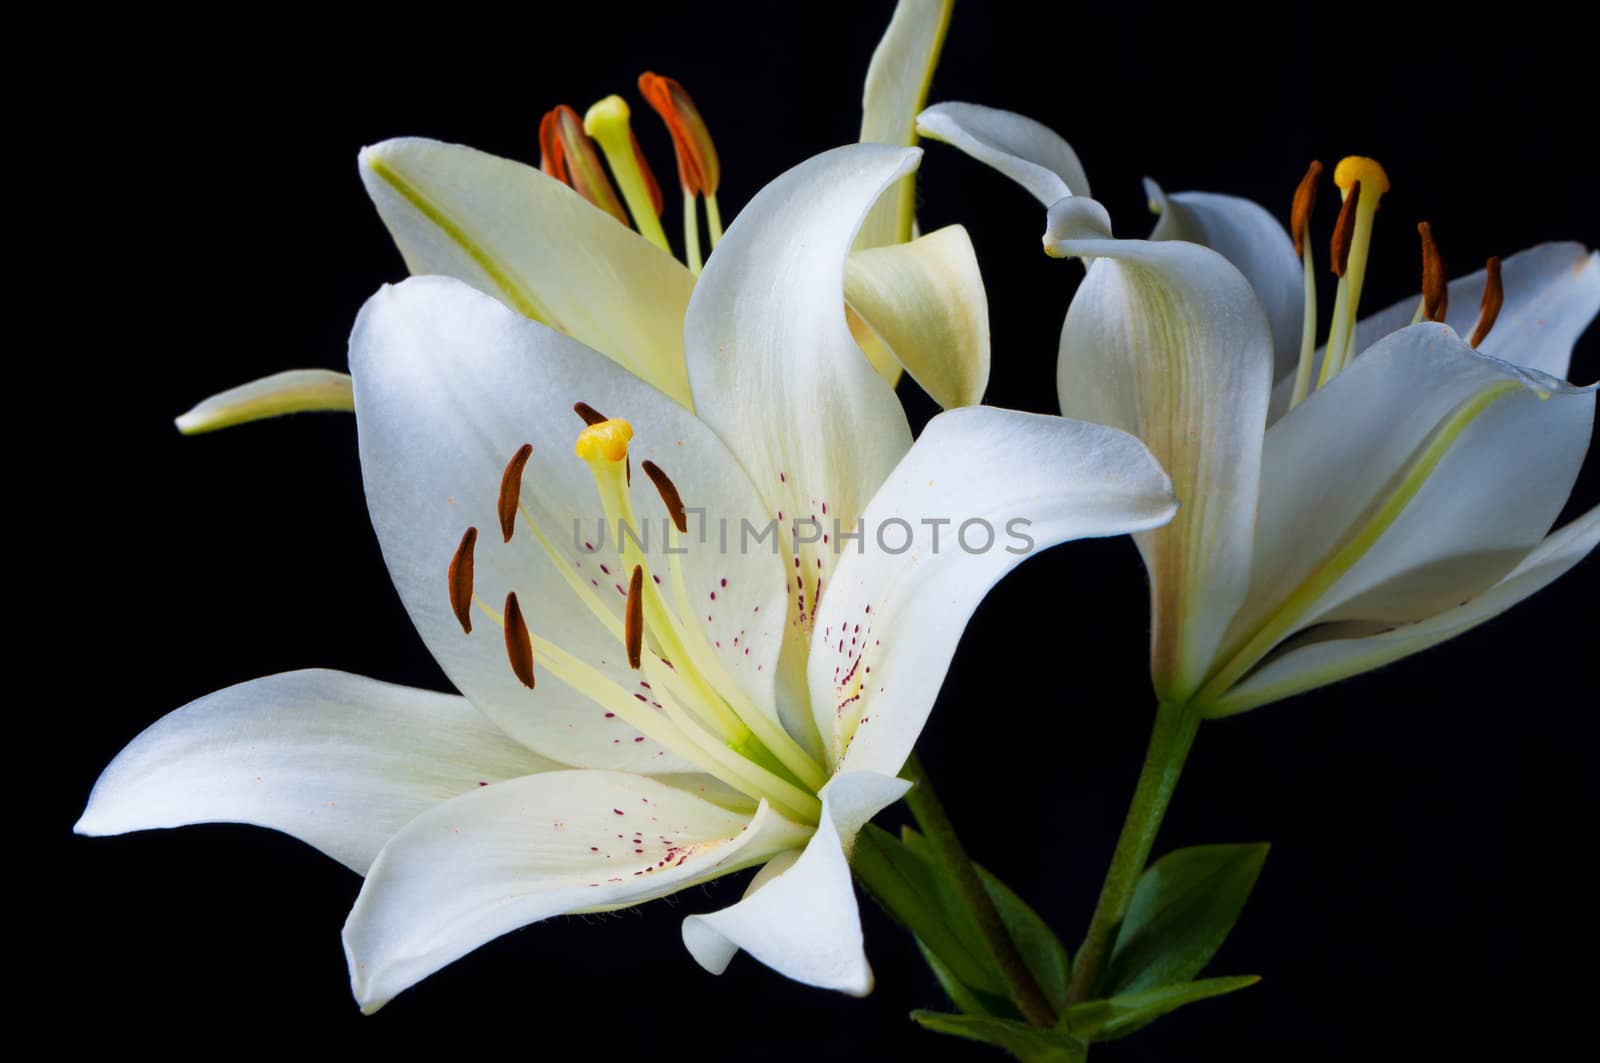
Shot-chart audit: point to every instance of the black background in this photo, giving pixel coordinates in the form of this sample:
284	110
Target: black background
1425	893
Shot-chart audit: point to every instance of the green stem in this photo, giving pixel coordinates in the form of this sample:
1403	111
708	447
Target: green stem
941	835
1170	742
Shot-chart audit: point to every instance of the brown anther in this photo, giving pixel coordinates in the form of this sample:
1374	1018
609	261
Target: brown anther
461	579
511	489
1493	296
1435	289
698	168
568	154
633	621
589	414
1344	229
1305	200
669	496
519	644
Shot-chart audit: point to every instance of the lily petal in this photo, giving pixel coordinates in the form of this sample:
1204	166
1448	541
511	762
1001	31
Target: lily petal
470	870
897	86
979	492
1552	292
1028	152
802	920
1166	340
339	761
449	383
294	391
924	305
1247	235
1327	654
1411	482
776	373
535	244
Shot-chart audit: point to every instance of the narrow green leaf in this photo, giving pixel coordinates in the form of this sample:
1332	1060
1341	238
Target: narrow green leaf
1041	950
1027	1043
1183	907
907	888
1107	1020
969	1000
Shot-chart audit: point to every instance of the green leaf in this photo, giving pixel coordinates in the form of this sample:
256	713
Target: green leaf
1107	1020
969	1000
1183	907
1027	1043
901	881
1041	950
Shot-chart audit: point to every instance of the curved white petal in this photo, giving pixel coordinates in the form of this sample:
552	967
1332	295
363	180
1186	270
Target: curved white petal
897	86
293	391
981	490
777	375
1247	235
536	245
1414	480
1338	651
467	871
1167	341
802	920
449	383
1028	152
339	761
924	302
1552	292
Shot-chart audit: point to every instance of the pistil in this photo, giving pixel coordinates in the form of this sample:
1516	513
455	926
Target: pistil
607	122
1363	183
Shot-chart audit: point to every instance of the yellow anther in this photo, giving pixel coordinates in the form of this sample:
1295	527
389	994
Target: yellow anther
607	123
608	440
1354	168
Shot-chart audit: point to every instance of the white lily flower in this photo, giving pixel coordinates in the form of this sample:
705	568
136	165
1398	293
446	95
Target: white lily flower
557	244
669	713
1378	500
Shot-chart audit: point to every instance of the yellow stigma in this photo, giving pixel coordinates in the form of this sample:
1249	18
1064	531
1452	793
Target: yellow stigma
608	440
1353	168
607	123
609	116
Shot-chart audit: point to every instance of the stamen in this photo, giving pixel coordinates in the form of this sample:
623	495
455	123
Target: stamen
607	440
669	496
634	624
567	154
607	122
1494	296
1435	289
511	489
1305	200
698	168
589	414
1344	231
460	576
519	644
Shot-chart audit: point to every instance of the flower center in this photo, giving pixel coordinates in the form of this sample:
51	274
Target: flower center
568	153
1362	183
687	700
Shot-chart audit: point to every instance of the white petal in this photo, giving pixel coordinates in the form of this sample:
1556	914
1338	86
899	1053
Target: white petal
467	871
339	761
924	302
294	391
538	246
1167	341
803	921
1333	463
775	371
1552	292
1337	651
897	86
1029	153
1247	235
979	492
449	383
